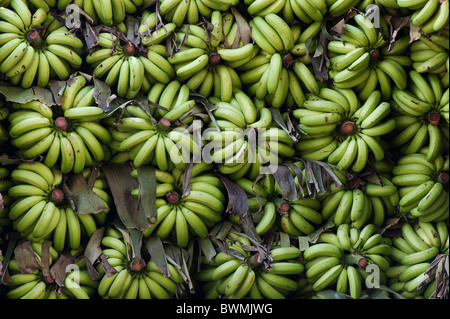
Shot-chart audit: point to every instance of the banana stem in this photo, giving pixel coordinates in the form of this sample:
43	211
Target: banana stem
57	196
163	125
214	58
137	265
443	178
172	197
375	54
281	205
288	59
128	49
34	39
356	258
434	118
348	128
62	124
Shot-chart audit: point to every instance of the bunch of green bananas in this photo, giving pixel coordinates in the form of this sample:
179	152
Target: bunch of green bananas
242	137
414	252
360	201
163	144
270	212
338	259
343	130
106	12
180	215
190	11
69	135
202	56
127	68
239	274
169	96
5	184
280	72
133	279
41	210
153	31
430	16
42	284
310	11
363	60
261	8
430	55
36	47
35	211
422	186
421	116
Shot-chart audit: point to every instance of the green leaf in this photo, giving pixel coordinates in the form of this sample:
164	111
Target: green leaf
59	269
22	96
157	253
207	248
237	198
133	30
286	183
26	258
85	199
129	208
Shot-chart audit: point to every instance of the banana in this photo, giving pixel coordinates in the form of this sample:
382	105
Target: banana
67	155
327	278
349	155
91	143
430	197
322	249
45	219
354	282
29	177
79	152
374	146
306	77
420	256
320	265
431	233
412	238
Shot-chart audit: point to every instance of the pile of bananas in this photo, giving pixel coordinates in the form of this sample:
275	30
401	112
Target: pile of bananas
36	47
280	73
164	144
69	136
421	186
422	115
361	201
36	274
342	129
299	149
182	215
235	273
128	68
40	209
130	278
205	58
270	211
339	259
361	58
414	254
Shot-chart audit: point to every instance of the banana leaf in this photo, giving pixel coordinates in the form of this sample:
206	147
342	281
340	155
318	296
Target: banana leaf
85	200
129	208
22	96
